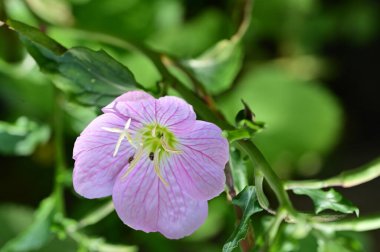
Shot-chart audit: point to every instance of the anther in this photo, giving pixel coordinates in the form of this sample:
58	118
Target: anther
151	156
130	159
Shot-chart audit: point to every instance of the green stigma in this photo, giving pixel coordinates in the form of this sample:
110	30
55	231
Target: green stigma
155	137
153	140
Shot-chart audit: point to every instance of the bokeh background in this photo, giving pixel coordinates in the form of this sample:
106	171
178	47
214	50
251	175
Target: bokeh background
309	70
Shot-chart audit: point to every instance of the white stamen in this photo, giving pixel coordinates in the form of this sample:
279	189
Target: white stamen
123	134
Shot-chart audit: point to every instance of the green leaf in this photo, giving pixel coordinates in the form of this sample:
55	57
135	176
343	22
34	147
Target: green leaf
217	67
238	164
330	199
95	78
302	119
235	135
249	204
342	242
13	220
22	137
57	12
38	233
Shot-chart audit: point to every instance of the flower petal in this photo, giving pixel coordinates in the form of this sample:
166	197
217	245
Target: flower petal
200	166
168	111
144	203
96	168
175	113
131	96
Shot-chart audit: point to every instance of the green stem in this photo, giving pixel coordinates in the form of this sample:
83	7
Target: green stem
97	215
259	179
361	224
281	215
273	180
350	178
59	152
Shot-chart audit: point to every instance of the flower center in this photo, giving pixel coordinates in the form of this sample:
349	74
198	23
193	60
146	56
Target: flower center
155	137
153	140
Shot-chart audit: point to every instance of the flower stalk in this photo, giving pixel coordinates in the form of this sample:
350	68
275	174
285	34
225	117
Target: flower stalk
346	179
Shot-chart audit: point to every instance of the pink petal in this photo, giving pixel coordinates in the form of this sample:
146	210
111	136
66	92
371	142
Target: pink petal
200	166
131	96
175	113
168	111
142	111
144	203
95	168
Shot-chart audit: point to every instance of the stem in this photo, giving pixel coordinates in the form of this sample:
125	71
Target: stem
350	178
96	215
273	180
59	152
361	224
259	179
281	215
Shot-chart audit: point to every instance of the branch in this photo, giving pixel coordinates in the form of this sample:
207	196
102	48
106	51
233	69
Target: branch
360	224
350	178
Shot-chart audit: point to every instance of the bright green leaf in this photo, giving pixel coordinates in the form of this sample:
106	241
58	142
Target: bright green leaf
249	204
22	137
235	135
217	67
341	243
330	199
38	233
57	12
302	119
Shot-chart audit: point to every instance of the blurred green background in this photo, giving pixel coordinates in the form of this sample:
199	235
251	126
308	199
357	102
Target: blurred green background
308	69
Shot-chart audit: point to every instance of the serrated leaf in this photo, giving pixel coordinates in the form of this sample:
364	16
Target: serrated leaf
330	199
22	137
95	78
38	233
249	204
217	67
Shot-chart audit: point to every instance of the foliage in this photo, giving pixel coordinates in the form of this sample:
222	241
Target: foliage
328	200
263	84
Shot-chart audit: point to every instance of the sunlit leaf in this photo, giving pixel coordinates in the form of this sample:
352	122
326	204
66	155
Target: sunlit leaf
22	137
38	233
217	67
341	243
95	78
249	204
330	199
302	119
57	12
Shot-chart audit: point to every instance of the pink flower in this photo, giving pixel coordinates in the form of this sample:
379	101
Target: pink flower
158	162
